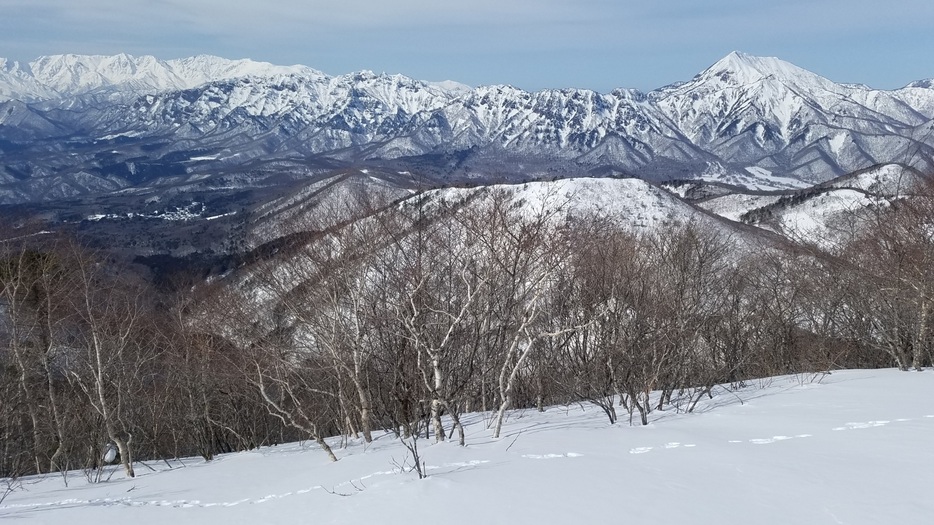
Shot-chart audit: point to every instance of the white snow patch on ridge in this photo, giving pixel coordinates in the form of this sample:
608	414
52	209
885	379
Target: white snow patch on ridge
632	202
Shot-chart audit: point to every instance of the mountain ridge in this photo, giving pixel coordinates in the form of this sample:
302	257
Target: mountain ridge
213	68
69	75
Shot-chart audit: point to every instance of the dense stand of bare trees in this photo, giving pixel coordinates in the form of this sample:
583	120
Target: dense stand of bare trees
404	321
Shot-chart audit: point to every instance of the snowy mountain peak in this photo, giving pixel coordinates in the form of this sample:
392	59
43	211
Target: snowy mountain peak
7	65
69	75
739	69
733	60
85	73
451	86
223	68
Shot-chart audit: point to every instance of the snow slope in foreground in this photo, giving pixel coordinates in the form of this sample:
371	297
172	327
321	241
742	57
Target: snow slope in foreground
854	447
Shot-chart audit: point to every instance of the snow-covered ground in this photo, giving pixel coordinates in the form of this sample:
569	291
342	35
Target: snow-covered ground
755	178
633	203
734	205
813	217
851	447
887	180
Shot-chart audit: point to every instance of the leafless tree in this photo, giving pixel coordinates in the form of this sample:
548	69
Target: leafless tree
34	288
890	264
111	364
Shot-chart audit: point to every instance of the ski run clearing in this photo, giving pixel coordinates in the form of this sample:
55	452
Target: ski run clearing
849	447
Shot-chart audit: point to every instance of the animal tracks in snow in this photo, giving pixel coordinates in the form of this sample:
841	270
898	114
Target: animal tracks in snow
129	502
778	438
671	445
847	426
552	456
774	439
187	504
867	424
881	423
755	441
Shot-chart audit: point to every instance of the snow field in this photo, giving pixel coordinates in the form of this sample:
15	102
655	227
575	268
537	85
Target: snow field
851	447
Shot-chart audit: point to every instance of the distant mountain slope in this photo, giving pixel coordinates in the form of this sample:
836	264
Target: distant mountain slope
827	214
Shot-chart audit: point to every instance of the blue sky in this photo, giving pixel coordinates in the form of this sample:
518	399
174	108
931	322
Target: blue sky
531	44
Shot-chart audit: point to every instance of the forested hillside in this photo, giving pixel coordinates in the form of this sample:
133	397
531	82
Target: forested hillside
442	304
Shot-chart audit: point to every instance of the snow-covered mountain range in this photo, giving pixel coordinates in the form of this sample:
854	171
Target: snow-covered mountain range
68	76
72	125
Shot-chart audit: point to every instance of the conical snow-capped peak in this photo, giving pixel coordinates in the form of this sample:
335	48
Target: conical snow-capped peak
739	68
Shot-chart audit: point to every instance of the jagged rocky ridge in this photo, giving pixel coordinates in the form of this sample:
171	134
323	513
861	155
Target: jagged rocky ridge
73	125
